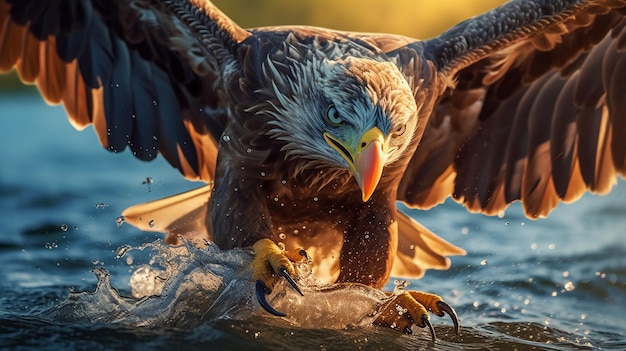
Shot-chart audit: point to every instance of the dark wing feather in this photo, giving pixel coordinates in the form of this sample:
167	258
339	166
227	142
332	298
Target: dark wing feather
147	75
537	112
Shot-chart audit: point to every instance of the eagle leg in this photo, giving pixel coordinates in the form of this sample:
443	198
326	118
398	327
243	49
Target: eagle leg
411	307
269	263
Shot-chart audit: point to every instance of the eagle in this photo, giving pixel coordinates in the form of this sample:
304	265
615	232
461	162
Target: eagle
308	138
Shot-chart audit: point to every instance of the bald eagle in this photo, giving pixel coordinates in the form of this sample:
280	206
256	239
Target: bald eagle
308	137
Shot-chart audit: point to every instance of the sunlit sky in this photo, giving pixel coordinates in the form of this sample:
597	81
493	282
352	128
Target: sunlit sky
416	18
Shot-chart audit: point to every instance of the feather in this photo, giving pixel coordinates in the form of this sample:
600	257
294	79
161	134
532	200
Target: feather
118	99
420	249
180	216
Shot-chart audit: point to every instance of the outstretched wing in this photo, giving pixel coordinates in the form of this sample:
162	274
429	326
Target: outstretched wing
146	74
538	112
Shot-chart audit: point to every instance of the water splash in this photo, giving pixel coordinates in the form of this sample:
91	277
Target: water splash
186	286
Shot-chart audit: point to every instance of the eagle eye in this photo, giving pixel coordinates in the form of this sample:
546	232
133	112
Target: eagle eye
333	116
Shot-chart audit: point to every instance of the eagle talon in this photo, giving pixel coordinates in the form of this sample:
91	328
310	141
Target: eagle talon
426	321
261	291
412	308
270	263
444	307
282	271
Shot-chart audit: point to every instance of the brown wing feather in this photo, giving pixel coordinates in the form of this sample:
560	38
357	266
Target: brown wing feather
540	121
136	70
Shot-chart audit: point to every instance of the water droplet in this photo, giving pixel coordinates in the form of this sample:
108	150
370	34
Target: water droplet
400	286
248	150
569	286
484	262
101	205
122	250
401	310
119	221
464	230
551	246
151	223
148	181
51	245
295	231
315	198
282	236
226	138
262	174
64	227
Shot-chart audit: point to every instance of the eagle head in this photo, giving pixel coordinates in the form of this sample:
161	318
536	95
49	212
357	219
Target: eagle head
348	114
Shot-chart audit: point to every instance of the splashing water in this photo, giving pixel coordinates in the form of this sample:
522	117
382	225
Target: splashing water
185	286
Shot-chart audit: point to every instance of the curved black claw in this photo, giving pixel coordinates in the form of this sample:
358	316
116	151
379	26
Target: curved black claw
261	291
426	321
282	271
450	311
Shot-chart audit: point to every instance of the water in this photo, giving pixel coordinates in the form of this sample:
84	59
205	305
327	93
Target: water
557	284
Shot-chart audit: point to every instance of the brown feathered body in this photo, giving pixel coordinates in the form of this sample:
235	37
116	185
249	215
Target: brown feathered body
270	179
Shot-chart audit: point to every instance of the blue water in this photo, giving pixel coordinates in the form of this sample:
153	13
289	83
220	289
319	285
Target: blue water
557	283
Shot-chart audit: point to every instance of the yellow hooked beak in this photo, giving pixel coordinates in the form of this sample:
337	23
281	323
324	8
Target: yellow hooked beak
366	161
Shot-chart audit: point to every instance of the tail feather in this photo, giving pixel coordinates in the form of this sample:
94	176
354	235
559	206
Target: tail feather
420	249
181	215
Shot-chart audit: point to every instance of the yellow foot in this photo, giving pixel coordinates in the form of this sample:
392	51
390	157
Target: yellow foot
270	262
411	307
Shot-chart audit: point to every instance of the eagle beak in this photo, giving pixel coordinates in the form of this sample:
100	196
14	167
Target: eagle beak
366	161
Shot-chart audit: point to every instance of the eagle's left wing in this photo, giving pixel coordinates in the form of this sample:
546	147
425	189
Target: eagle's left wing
146	74
537	112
